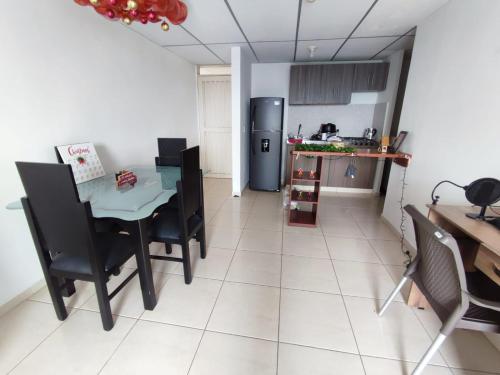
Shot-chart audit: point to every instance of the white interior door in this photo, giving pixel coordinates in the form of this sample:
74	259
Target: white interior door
214	95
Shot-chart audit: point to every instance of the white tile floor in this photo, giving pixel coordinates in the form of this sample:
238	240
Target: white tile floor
269	299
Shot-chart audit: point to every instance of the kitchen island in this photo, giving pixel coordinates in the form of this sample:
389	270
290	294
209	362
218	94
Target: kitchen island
305	182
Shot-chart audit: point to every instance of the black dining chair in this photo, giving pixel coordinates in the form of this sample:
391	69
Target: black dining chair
169	151
102	224
178	225
460	299
67	244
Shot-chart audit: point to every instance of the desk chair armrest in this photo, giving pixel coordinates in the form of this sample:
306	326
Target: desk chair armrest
488	304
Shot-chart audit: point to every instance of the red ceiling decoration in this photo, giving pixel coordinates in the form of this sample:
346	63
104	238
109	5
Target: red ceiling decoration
143	11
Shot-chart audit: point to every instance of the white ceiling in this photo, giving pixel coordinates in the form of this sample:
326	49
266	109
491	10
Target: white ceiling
282	30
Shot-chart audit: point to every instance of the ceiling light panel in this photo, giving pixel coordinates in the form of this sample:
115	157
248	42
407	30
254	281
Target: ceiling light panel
224	51
211	22
195	54
175	36
396	17
264	20
329	19
274	51
363	48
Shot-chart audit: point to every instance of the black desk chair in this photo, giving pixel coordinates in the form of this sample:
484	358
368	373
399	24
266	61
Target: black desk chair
178	225
169	151
67	244
460	300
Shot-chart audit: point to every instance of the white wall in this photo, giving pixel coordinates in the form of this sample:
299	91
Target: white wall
451	105
241	81
69	75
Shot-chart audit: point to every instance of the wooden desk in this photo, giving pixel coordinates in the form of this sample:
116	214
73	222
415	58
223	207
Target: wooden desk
479	243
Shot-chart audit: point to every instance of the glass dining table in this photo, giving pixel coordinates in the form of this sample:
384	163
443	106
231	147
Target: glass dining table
131	207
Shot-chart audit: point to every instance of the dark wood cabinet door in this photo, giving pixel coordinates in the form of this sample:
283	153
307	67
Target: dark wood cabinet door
297	82
366	174
336	83
338	166
321	84
370	77
312	76
364	177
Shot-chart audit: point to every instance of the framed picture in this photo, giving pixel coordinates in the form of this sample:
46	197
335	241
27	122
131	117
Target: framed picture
83	159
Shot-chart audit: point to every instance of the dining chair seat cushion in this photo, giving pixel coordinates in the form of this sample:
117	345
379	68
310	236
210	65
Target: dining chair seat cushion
166	225
481	286
115	250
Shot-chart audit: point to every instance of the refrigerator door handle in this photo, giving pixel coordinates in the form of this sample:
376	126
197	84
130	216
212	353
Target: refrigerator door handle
252	119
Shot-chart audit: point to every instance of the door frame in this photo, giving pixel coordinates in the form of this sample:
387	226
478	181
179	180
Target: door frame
201	121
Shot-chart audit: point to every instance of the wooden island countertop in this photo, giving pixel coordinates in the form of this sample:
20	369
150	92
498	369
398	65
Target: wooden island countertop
400	158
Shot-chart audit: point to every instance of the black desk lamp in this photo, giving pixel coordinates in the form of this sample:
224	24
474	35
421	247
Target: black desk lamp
483	193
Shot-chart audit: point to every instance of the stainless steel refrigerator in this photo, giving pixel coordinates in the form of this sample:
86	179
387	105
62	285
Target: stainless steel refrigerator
266	140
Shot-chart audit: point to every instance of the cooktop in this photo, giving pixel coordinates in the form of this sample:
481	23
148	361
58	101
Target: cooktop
360	141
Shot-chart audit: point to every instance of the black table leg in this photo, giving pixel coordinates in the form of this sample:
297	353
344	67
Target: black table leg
144	265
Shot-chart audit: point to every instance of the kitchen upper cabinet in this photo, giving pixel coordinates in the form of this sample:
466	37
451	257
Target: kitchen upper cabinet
336	83
321	84
370	77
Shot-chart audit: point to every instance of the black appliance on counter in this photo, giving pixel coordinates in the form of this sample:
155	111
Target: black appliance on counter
325	131
266	140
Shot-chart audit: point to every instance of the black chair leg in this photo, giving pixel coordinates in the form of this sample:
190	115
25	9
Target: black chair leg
168	248
104	305
57	297
186	262
69	287
203	244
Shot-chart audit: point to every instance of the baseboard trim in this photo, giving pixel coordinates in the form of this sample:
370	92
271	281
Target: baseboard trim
21	297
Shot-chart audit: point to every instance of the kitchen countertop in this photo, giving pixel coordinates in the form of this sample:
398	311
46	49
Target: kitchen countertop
400	158
338	143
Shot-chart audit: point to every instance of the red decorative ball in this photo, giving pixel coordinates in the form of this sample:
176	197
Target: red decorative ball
113	2
144	20
110	13
134	13
152	16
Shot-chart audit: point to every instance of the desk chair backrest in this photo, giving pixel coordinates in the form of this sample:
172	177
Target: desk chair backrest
169	151
438	269
60	221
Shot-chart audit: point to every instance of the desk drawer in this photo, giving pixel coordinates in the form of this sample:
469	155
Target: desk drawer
488	263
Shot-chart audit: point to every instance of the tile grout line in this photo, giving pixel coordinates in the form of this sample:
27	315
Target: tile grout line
216	299
168	276
281	282
41	342
119	344
344	304
432	338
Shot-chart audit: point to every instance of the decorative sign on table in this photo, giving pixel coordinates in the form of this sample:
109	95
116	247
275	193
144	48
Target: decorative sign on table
125	178
83	159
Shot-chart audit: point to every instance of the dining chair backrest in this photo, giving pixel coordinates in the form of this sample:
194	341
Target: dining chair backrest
440	273
191	181
62	222
169	150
